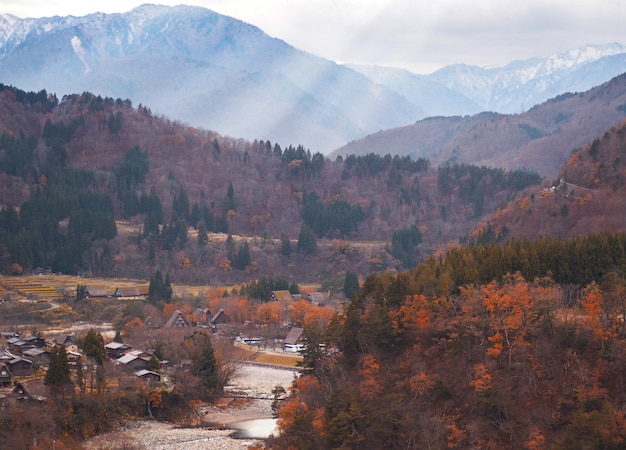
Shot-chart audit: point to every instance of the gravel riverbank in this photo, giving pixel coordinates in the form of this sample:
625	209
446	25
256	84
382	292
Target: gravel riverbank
251	380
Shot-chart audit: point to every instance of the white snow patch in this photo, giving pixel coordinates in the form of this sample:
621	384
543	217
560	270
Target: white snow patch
80	52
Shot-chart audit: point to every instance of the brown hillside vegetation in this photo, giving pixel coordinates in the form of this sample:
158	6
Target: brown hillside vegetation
269	187
588	196
540	139
502	365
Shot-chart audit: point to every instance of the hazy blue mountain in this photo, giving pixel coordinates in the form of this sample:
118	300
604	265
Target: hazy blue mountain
540	139
194	65
429	95
462	89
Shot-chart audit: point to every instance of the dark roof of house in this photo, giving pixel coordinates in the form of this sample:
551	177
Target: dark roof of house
220	317
116	345
9	334
144	372
294	335
33	352
316	297
34	389
67	340
97	291
177	320
18	359
127	291
282	296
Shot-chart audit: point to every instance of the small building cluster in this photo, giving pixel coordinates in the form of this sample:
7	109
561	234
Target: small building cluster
25	360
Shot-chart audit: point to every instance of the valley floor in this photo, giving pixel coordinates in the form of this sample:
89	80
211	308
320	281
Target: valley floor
251	380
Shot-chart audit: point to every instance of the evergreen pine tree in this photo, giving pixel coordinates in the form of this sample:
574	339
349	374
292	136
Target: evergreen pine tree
306	240
285	248
93	346
350	284
203	362
58	373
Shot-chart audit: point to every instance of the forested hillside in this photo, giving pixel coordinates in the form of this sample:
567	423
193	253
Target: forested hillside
514	339
96	185
518	347
588	196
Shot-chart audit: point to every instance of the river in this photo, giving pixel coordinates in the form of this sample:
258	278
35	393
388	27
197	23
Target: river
232	428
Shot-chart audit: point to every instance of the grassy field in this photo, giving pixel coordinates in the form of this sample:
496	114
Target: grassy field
250	354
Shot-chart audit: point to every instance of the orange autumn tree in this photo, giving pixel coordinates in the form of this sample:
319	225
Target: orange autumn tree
300	420
509	307
371	377
593	307
298	311
270	313
319	316
416	314
136	322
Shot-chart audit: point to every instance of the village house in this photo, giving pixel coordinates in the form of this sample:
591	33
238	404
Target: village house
177	320
116	350
293	341
15	343
33	390
148	377
39	356
316	298
9	334
128	293
152	323
285	299
135	359
19	345
73	357
35	341
69	344
20	367
5	376
96	291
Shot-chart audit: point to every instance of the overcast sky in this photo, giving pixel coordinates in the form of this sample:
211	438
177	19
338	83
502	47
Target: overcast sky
419	35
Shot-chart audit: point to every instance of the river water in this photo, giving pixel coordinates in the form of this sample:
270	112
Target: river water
231	428
254	429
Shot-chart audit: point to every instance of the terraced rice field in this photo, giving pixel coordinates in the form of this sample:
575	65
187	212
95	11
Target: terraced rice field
56	287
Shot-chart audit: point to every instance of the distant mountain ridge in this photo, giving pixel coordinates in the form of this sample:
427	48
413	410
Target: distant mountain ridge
216	72
205	69
461	89
540	139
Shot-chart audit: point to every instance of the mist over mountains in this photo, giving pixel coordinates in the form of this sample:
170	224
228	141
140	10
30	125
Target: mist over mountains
212	71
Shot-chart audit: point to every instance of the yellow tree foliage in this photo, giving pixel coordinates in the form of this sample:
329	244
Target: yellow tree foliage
185	262
16	269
